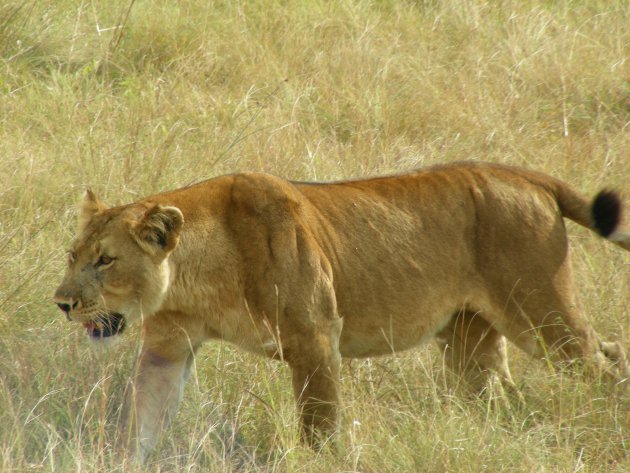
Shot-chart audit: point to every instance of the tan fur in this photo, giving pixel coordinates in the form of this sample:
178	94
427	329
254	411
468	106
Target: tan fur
470	253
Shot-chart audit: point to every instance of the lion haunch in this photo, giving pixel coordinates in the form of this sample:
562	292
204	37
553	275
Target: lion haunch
472	255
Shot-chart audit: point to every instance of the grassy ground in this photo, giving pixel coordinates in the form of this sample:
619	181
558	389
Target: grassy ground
132	97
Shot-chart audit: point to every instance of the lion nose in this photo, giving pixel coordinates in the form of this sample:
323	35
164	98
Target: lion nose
67	307
64	307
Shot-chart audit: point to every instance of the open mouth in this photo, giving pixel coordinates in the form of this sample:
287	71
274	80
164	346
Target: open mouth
106	325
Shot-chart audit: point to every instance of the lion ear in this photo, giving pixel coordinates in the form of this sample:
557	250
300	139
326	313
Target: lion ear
90	206
157	229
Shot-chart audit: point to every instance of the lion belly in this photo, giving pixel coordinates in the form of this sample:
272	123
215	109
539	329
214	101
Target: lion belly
384	340
370	334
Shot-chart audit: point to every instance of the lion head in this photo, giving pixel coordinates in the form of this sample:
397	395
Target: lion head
118	268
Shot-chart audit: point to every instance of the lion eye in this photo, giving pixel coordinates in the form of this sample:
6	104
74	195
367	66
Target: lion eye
104	260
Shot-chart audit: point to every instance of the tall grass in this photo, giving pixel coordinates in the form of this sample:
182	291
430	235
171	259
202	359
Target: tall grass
132	97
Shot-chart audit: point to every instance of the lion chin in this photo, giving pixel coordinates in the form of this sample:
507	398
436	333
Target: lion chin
106	327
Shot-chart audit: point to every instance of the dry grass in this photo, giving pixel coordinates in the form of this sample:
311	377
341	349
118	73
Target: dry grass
131	97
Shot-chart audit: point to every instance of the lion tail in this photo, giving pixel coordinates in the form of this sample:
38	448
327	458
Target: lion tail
602	215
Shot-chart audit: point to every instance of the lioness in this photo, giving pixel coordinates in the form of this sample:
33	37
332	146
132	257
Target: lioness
470	253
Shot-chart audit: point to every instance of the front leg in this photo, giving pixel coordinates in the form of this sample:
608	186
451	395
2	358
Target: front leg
155	389
315	368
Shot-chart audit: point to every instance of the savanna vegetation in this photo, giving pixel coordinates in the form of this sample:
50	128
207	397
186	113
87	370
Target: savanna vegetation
133	97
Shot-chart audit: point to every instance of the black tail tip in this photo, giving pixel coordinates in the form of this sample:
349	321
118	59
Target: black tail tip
606	212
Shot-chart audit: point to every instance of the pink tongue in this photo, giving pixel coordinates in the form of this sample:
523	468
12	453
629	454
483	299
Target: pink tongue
90	326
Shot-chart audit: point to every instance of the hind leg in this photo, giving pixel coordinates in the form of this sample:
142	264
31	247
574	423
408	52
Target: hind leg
475	352
546	323
527	292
